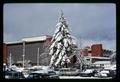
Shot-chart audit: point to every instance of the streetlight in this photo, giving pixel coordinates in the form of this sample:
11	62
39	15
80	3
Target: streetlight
38	57
10	61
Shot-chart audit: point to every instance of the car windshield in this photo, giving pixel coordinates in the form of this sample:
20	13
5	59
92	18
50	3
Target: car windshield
51	72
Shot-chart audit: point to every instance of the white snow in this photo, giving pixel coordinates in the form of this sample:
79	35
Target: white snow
53	44
42	38
59	38
65	42
57	35
104	71
13	67
58	24
113	67
88	71
51	51
60	35
79	77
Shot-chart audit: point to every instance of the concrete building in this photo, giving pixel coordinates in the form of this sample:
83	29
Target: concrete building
29	48
26	51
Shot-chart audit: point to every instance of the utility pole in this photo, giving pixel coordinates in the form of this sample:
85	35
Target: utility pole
10	61
23	53
38	57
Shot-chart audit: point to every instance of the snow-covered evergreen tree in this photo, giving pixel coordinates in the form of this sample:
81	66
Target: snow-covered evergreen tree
61	44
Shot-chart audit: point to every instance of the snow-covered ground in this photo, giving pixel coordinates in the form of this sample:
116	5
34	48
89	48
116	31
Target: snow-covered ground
78	77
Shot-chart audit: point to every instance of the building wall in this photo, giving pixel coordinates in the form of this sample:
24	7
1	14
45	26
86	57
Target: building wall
5	54
31	51
85	52
96	50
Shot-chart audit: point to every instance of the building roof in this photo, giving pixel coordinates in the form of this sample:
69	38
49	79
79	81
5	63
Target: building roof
102	62
97	57
30	39
14	42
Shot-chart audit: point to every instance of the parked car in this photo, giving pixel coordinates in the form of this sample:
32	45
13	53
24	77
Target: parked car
112	73
87	73
36	76
103	73
68	72
42	75
13	75
53	75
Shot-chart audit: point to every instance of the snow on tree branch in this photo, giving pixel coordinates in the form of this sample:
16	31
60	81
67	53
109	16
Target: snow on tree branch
61	44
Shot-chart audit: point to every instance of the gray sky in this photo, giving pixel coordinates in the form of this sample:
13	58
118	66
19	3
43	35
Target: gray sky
95	23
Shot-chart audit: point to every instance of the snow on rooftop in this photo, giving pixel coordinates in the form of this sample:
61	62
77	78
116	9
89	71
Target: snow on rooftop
97	57
41	38
102	62
14	42
30	39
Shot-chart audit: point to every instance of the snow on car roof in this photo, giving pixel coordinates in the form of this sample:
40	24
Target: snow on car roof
40	71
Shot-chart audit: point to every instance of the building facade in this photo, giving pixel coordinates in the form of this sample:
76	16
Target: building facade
95	50
29	47
5	53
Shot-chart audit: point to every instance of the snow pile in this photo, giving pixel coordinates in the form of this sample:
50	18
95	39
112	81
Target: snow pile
42	69
88	71
104	71
113	67
15	68
61	44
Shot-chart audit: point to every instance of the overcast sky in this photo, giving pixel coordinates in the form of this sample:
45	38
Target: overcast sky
94	23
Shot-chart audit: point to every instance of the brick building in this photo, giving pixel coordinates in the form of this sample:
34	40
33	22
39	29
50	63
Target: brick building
96	50
5	53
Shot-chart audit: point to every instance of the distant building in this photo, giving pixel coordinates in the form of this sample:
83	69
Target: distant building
5	53
29	47
107	53
31	50
96	50
102	63
94	53
86	51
